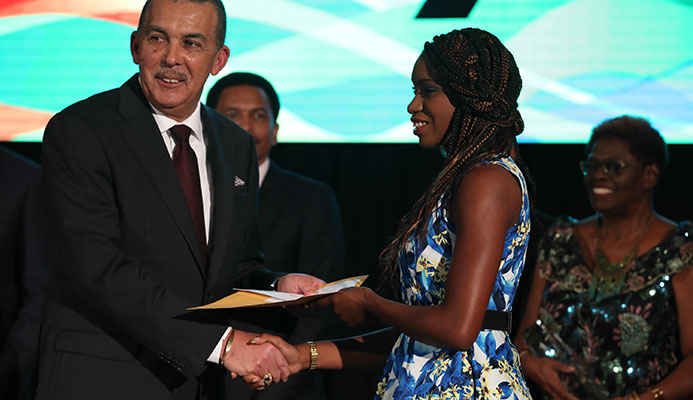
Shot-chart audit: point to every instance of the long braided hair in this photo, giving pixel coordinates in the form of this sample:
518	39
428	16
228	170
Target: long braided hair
480	78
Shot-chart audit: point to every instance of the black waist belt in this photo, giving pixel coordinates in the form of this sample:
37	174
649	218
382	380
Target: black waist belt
497	320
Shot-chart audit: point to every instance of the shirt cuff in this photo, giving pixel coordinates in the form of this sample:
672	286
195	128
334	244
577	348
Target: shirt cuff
215	356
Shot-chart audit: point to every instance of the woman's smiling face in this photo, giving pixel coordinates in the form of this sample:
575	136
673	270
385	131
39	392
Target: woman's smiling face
430	109
619	188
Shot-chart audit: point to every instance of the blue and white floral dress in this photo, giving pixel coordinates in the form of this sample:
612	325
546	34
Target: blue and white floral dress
490	369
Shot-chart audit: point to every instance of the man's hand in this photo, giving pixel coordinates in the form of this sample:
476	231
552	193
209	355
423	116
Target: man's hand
257	360
299	283
289	352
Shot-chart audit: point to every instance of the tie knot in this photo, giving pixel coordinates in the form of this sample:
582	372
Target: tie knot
181	133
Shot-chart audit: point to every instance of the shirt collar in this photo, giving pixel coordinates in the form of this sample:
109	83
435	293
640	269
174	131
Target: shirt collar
194	121
262	169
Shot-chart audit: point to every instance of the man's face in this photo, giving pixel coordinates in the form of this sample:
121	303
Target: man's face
176	50
249	107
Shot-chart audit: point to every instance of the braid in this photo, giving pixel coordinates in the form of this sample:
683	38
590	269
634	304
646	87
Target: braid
480	78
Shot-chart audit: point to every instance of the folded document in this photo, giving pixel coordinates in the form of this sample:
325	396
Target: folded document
267	298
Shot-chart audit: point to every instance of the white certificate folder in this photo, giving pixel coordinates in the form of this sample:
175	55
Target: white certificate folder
268	298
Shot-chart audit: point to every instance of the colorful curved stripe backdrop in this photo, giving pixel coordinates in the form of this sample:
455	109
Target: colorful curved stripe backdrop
342	67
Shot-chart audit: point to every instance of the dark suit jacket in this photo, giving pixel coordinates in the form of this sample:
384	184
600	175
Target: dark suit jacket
22	274
301	231
125	260
300	225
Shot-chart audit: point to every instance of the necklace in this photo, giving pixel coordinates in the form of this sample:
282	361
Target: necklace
608	276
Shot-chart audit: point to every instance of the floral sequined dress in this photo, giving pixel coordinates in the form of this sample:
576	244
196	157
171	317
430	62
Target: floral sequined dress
490	369
624	340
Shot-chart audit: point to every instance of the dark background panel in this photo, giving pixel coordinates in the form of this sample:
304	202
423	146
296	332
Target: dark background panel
377	183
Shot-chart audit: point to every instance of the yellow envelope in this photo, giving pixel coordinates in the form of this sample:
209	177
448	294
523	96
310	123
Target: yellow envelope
268	298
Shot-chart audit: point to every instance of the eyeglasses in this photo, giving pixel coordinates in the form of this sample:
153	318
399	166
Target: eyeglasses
608	167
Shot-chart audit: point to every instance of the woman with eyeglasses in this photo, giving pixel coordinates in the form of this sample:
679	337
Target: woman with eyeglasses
610	313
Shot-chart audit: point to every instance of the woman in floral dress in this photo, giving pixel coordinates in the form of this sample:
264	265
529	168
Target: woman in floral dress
610	313
459	253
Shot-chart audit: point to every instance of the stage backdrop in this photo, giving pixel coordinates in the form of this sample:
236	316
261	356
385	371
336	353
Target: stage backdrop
342	67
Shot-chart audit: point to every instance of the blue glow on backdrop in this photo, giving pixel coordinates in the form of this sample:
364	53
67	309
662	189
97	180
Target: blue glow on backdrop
342	68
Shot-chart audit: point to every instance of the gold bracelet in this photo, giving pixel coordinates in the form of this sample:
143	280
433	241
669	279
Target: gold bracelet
632	396
657	392
313	355
227	347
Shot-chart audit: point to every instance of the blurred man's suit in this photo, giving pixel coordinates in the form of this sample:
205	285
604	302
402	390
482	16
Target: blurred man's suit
300	225
301	231
22	274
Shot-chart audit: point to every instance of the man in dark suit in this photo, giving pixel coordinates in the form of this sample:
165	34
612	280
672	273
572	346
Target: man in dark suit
22	274
152	203
299	217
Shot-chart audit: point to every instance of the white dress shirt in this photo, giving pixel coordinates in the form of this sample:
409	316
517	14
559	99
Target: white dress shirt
199	146
262	170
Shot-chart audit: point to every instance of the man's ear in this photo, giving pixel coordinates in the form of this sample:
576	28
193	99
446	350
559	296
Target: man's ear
134	48
274	134
220	59
651	176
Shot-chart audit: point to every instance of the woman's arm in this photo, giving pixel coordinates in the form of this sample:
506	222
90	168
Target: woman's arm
487	202
362	352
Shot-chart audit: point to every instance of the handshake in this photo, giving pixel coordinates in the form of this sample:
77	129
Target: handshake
261	360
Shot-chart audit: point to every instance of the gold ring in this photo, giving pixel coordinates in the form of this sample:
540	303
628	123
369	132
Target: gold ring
267	379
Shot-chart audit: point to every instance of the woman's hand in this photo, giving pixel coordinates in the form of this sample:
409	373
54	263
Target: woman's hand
352	304
544	371
265	360
289	352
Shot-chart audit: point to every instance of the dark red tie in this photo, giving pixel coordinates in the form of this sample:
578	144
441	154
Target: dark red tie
189	175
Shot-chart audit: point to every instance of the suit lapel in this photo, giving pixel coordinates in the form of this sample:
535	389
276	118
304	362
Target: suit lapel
222	182
142	134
